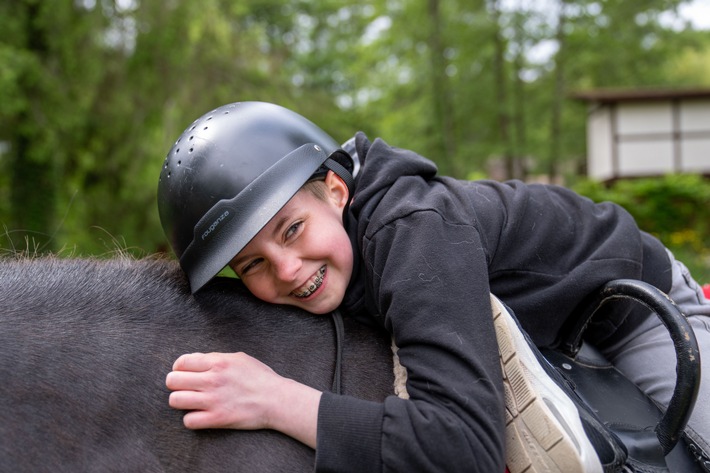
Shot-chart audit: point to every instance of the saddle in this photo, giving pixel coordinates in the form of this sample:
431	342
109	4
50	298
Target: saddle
628	430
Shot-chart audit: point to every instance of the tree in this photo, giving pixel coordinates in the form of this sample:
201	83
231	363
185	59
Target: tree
95	91
44	47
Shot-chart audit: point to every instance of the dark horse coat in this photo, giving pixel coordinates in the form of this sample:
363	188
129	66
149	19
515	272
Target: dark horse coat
85	346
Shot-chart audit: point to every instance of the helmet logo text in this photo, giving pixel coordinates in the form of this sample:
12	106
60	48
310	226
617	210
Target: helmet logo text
215	224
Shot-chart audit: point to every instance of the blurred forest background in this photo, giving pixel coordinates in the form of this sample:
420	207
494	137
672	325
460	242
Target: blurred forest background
94	92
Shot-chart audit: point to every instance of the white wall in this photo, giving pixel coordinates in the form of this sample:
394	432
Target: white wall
649	138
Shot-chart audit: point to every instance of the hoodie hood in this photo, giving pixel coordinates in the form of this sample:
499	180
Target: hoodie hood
382	165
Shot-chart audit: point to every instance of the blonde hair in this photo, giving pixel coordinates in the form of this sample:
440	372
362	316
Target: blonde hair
317	188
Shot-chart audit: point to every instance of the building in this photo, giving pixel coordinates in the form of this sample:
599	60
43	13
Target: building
633	133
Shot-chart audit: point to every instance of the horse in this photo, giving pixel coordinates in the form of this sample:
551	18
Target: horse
86	344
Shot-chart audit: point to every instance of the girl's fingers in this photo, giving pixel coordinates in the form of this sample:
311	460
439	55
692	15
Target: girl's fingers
201	420
187	380
192	362
188	400
223	390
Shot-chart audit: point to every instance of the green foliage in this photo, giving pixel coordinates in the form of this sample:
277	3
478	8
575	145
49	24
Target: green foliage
675	208
94	92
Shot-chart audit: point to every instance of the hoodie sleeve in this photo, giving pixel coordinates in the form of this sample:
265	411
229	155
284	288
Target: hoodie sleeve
429	280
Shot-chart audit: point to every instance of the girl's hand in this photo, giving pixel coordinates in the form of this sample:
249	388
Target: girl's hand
235	390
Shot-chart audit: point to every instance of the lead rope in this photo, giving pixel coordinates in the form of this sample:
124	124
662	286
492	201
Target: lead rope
339	335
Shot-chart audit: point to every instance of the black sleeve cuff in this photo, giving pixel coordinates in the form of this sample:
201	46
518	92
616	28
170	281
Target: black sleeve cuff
349	434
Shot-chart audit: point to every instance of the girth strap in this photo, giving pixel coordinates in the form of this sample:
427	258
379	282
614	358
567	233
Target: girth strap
339	340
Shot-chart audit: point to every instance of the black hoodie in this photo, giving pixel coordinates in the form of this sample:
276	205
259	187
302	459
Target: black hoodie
429	250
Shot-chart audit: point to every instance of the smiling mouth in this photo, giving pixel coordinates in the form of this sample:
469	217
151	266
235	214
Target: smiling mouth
312	285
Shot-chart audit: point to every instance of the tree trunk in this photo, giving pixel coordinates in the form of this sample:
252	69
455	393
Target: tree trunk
557	98
441	94
501	93
519	123
32	171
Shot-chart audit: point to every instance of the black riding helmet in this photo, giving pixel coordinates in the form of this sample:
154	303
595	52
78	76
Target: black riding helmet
230	172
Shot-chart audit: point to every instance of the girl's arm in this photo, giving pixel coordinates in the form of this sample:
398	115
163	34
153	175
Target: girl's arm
235	390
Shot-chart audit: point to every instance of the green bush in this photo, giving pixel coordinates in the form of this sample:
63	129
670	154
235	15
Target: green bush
675	208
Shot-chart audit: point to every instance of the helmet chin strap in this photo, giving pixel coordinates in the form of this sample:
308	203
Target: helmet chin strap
343	173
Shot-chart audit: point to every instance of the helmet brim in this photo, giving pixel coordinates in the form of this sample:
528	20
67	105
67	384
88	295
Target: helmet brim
232	223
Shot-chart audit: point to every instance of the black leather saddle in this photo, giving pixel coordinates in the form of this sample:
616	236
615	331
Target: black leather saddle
632	434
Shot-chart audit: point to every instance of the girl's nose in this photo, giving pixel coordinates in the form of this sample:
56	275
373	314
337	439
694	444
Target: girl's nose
286	266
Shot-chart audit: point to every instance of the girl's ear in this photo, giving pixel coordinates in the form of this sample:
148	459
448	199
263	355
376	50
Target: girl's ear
337	190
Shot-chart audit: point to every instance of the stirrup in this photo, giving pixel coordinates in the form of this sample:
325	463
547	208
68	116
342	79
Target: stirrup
646	435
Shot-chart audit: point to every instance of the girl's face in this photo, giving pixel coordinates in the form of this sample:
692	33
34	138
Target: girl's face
303	256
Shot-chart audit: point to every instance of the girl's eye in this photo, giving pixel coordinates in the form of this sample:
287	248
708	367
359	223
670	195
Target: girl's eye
249	266
293	229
